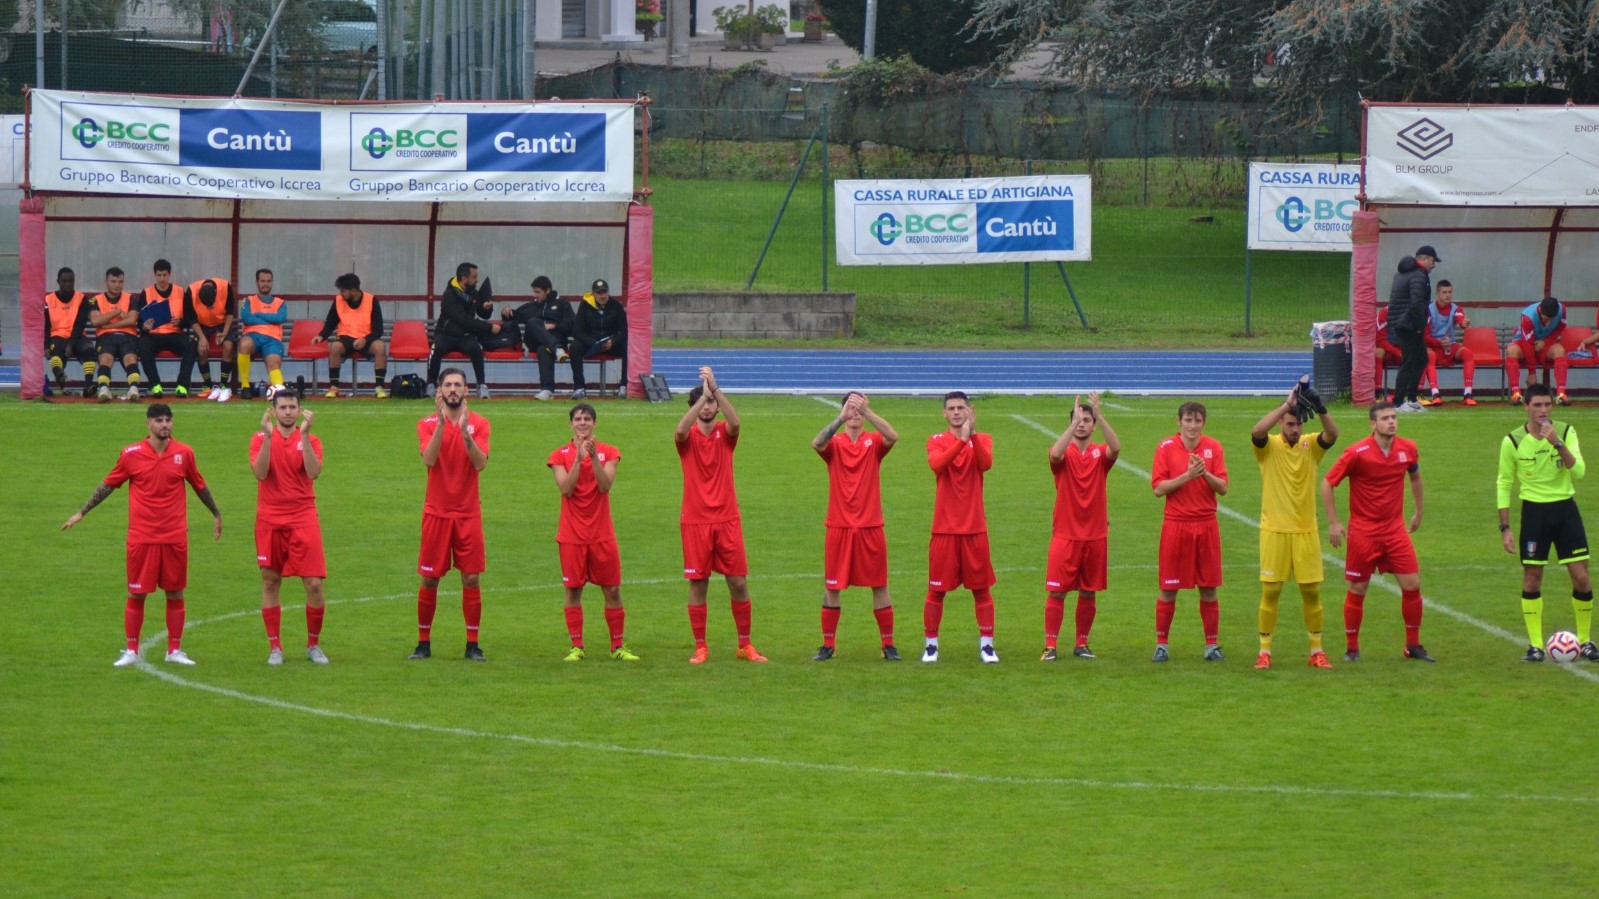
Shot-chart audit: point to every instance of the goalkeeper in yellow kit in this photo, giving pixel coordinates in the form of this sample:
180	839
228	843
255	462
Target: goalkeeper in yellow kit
1545	457
1290	539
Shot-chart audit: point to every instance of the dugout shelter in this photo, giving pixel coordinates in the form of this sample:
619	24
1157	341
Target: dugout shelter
1509	196
398	193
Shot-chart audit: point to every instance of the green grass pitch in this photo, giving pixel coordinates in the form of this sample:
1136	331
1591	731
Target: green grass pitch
377	776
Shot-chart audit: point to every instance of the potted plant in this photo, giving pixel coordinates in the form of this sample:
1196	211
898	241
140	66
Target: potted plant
647	13
815	27
734	23
771	23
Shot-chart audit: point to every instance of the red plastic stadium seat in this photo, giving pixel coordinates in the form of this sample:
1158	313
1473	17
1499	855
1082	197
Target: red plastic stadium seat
408	342
1571	339
1484	345
303	349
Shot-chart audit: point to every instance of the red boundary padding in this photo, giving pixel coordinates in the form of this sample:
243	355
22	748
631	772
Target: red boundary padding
640	294
30	281
1365	231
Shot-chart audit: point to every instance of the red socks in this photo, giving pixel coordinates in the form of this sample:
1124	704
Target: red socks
932	614
427	601
1054	614
985	612
1210	618
133	621
885	624
741	621
614	620
574	624
1560	387
1164	612
830	624
696	623
272	617
313	624
1410	608
472	610
1354	608
1085	618
174	625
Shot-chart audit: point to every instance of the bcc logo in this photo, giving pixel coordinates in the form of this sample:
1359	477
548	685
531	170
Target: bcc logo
90	133
1328	215
377	142
887	229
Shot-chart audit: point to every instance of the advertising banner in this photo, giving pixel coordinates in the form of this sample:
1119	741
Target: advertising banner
1483	155
1036	218
13	149
1306	207
273	150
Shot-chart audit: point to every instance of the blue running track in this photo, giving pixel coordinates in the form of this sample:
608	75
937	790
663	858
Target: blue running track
913	372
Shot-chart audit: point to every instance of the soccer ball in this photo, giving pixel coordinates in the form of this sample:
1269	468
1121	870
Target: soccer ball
1562	646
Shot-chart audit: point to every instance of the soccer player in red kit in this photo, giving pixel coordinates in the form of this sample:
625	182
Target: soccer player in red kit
285	459
455	447
713	537
1077	557
855	554
157	468
957	554
1190	471
584	471
1378	539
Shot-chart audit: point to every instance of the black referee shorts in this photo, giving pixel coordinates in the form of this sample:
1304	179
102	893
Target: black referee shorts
1556	524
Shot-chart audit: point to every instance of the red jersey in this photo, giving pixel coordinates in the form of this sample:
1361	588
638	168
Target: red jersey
1376	483
1194	501
452	481
1080	492
285	497
158	510
586	513
854	495
707	460
958	467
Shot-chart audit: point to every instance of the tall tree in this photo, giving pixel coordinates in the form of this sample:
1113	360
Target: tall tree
936	34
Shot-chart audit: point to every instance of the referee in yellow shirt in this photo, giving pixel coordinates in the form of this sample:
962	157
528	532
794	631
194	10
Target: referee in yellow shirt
1545	457
1290	538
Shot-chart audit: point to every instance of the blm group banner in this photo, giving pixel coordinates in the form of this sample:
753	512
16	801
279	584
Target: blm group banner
1036	218
1306	207
274	150
1483	155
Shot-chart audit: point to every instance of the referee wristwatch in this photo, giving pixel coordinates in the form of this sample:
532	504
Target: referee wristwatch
1503	527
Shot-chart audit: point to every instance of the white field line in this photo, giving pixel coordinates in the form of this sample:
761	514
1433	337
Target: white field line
1384	583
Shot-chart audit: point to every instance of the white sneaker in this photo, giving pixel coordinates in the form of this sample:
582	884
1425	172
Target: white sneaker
562	356
315	654
179	657
988	655
103	394
482	391
223	394
544	396
275	657
580	394
930	654
210	394
125	658
133	392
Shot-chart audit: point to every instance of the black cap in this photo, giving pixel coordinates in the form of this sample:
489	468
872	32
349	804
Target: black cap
1427	250
600	286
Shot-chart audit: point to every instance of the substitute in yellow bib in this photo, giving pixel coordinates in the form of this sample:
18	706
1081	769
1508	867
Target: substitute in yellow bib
1290	538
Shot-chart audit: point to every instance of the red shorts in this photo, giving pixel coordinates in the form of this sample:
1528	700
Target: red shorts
855	557
591	563
291	551
450	542
1383	552
1190	554
157	566
1075	565
1530	356
1390	354
715	548
955	560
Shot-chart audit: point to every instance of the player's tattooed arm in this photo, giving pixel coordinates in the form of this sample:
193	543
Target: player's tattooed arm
825	435
96	498
204	493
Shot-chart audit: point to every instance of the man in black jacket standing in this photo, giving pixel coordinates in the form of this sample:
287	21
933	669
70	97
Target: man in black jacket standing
1407	316
464	313
546	327
601	329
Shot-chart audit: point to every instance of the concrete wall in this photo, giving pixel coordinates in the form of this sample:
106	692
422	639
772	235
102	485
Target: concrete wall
781	316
